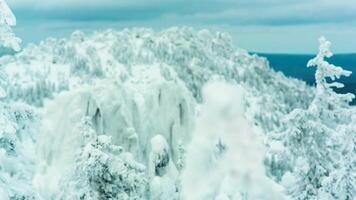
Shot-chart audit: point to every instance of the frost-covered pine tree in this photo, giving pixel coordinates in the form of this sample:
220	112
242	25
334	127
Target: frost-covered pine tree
341	182
103	170
18	125
7	19
325	96
7	37
317	140
17	128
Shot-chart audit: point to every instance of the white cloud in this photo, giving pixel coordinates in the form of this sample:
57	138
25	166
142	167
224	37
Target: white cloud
99	4
257	24
267	12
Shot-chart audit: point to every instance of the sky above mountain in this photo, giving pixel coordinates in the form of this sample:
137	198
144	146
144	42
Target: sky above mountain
275	26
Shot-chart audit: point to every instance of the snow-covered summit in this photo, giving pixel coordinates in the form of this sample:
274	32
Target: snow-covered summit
195	56
133	85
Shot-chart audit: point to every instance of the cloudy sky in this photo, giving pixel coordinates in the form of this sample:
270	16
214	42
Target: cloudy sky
275	26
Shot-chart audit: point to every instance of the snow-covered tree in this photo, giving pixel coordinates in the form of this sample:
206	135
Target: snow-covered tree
163	174
18	126
326	97
103	170
319	141
311	147
7	37
341	182
7	19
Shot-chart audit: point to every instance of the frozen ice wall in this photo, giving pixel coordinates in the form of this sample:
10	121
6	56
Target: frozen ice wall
152	101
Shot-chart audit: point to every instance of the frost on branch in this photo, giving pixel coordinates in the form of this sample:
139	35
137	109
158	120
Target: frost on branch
326	70
7	19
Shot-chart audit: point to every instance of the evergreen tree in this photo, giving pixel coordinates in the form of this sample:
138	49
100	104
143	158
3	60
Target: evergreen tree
7	19
317	140
103	170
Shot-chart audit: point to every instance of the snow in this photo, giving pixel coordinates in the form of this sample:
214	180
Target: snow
225	148
174	114
162	171
131	92
6	17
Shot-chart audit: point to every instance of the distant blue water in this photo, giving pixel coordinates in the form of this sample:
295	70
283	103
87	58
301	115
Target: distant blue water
295	66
